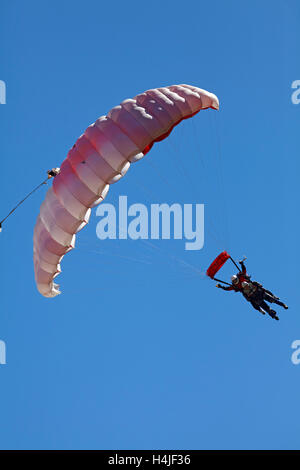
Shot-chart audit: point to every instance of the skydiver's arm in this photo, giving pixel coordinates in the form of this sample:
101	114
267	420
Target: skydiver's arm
244	270
224	287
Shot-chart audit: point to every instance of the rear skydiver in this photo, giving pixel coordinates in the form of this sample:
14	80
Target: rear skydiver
254	292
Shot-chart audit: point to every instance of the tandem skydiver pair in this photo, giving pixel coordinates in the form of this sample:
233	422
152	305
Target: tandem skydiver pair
252	291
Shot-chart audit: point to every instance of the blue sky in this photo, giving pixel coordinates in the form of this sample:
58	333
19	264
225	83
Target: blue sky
139	352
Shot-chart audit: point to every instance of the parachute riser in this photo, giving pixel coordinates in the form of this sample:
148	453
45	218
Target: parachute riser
51	174
235	264
219	280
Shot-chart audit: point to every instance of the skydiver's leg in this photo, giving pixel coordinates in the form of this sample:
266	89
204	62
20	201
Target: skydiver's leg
278	302
257	307
271	293
268	309
269	298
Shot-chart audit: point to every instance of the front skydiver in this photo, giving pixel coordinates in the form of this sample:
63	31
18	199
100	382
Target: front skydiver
254	292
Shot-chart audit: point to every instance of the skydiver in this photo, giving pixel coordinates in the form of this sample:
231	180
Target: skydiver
238	279
253	292
53	172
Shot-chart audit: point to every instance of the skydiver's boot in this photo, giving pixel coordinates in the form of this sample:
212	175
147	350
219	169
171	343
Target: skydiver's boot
272	314
278	302
269	297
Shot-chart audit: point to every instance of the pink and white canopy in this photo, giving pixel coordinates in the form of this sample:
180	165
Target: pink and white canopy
100	157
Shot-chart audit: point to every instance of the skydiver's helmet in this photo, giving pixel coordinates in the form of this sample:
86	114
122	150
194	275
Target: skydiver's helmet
234	279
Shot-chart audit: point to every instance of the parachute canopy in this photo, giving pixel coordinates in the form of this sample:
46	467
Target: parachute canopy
100	157
217	264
